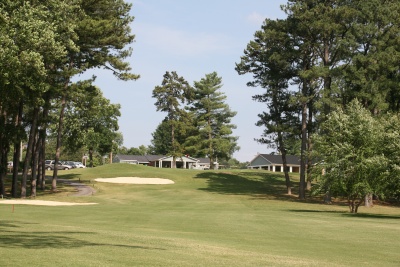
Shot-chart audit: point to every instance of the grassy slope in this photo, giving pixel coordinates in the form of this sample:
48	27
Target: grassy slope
224	218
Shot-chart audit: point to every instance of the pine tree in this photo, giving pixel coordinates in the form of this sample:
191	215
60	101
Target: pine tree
213	119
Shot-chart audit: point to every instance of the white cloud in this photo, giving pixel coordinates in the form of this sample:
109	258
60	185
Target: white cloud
177	42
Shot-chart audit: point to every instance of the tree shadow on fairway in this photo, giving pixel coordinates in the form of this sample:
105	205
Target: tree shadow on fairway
371	216
5	224
257	184
56	240
348	214
69	176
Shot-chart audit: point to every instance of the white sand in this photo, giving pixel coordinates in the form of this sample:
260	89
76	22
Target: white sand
40	202
134	180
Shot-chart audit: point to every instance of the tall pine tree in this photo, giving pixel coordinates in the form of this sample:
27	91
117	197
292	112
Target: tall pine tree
213	119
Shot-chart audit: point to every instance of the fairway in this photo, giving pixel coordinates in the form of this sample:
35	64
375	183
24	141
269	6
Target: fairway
205	218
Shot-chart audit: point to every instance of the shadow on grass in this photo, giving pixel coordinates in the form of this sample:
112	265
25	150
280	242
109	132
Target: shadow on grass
371	216
57	240
10	224
257	184
69	176
348	214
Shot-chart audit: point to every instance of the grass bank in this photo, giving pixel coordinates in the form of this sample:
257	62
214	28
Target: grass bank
223	218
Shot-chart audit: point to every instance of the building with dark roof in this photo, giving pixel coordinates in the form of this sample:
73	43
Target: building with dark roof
274	163
162	161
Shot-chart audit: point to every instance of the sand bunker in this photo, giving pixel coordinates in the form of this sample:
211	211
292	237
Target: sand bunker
134	180
41	202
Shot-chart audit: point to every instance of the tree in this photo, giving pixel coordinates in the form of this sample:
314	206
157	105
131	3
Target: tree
43	45
103	32
91	121
141	150
161	141
332	50
31	44
213	119
173	92
373	74
358	155
269	59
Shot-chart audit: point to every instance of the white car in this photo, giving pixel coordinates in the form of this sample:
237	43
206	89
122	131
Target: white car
79	165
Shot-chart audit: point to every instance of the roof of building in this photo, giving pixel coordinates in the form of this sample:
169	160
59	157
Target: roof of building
150	158
138	158
204	160
277	159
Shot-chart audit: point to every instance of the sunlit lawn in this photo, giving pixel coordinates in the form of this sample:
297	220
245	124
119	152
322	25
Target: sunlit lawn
223	218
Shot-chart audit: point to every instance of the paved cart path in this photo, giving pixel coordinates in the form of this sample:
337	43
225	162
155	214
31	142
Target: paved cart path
83	189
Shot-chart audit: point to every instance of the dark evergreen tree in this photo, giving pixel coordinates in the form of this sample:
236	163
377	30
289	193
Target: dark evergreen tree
173	92
213	119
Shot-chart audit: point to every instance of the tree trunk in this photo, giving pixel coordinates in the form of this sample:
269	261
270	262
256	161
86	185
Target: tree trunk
328	198
17	152
210	148
354	204
42	144
35	160
3	166
3	153
368	201
302	184
309	145
284	161
173	164
91	157
3	174
41	175
29	152
59	134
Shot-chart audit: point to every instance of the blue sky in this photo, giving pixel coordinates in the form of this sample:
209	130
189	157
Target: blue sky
193	38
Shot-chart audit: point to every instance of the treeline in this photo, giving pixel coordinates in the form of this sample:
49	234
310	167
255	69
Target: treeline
44	45
317	60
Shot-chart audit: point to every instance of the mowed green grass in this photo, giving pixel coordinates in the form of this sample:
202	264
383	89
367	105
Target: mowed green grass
207	218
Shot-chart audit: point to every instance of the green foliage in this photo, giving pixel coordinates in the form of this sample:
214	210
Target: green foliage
141	150
43	44
170	95
333	51
161	141
358	154
272	71
213	119
104	32
91	121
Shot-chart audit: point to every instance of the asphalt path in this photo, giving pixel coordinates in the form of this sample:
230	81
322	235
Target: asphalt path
83	189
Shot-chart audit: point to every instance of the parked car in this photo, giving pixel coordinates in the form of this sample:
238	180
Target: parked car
70	163
60	166
79	164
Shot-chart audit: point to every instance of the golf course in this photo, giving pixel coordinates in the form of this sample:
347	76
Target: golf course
201	218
